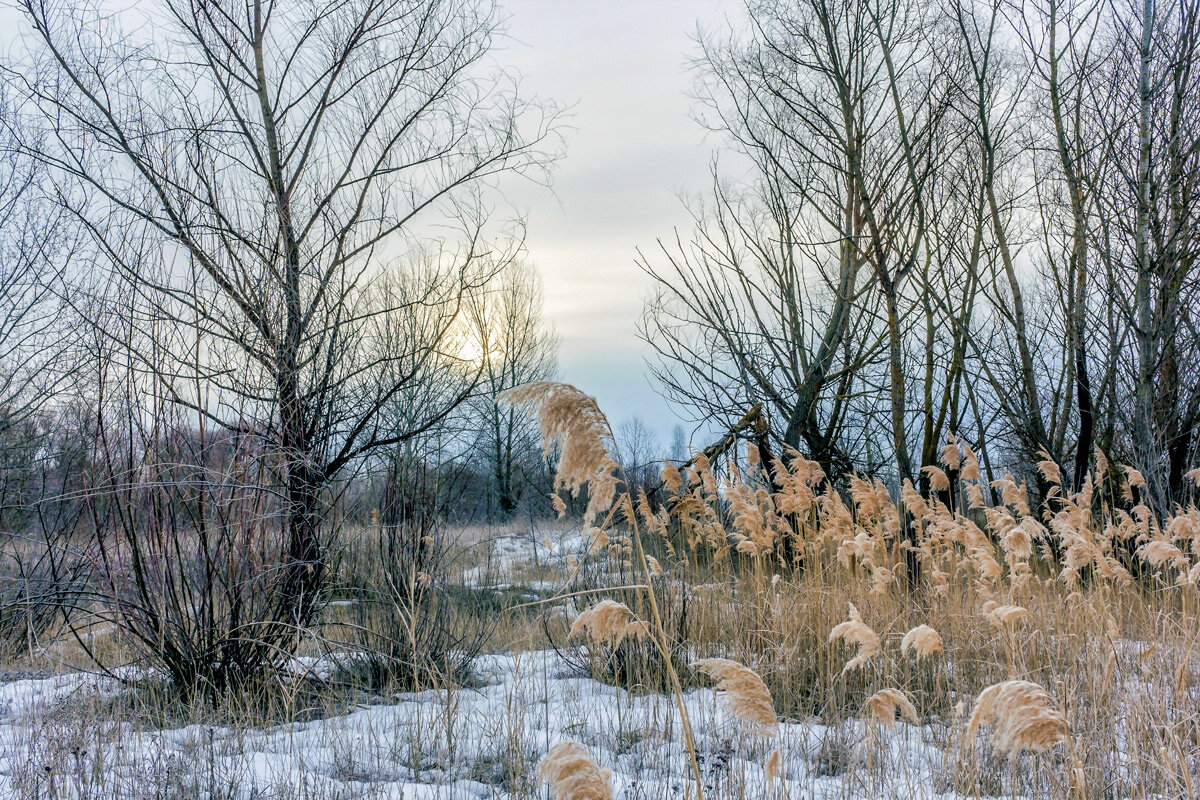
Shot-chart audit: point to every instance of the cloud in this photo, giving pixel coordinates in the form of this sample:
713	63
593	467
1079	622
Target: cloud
635	147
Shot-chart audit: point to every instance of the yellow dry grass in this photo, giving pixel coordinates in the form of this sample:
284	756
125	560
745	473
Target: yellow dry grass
884	705
1022	715
745	693
573	775
1018	590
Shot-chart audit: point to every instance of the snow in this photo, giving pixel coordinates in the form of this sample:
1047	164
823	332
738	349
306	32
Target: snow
59	739
470	743
520	559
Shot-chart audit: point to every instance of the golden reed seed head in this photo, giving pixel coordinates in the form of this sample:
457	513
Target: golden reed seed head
922	640
950	455
1023	716
1160	552
856	632
574	422
560	505
1003	616
886	703
938	480
745	693
607	622
970	468
773	764
1133	479
573	775
1012	494
1049	467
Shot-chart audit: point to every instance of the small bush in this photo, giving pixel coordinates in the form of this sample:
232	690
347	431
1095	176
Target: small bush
412	628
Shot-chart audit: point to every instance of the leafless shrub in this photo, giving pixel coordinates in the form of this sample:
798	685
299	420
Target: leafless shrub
413	625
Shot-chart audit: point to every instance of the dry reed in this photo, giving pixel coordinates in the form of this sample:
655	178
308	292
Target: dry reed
745	693
1023	716
922	640
571	420
884	705
608	622
573	775
855	631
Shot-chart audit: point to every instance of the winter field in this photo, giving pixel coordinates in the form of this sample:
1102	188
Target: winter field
306	492
1118	717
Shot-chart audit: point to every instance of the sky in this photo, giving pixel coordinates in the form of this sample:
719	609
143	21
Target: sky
622	64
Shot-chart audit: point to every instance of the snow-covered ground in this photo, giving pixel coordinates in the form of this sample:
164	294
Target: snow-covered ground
532	559
481	742
73	736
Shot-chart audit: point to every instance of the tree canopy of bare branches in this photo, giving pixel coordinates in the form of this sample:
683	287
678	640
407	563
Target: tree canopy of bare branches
270	189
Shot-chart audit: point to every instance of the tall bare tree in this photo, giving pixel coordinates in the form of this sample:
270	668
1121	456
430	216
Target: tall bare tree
1145	132
250	173
513	345
796	288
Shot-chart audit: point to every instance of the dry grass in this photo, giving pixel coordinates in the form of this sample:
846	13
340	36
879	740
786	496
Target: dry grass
1023	716
608	622
884	705
571	421
1008	591
856	632
923	640
1061	626
745	693
573	775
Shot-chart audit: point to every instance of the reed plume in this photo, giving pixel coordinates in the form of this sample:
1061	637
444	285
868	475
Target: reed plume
1160	552
1133	480
855	631
938	480
571	420
745	693
1003	616
950	456
773	764
970	469
1049	467
608	622
922	640
1023	716
884	705
573	775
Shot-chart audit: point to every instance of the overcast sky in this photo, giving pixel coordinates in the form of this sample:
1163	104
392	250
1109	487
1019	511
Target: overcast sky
623	63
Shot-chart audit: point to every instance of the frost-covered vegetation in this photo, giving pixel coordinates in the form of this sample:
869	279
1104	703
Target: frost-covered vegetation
293	506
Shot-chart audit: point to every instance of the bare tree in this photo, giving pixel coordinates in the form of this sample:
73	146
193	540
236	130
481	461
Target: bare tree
1146	135
641	454
513	345
38	573
34	251
797	289
679	444
250	174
